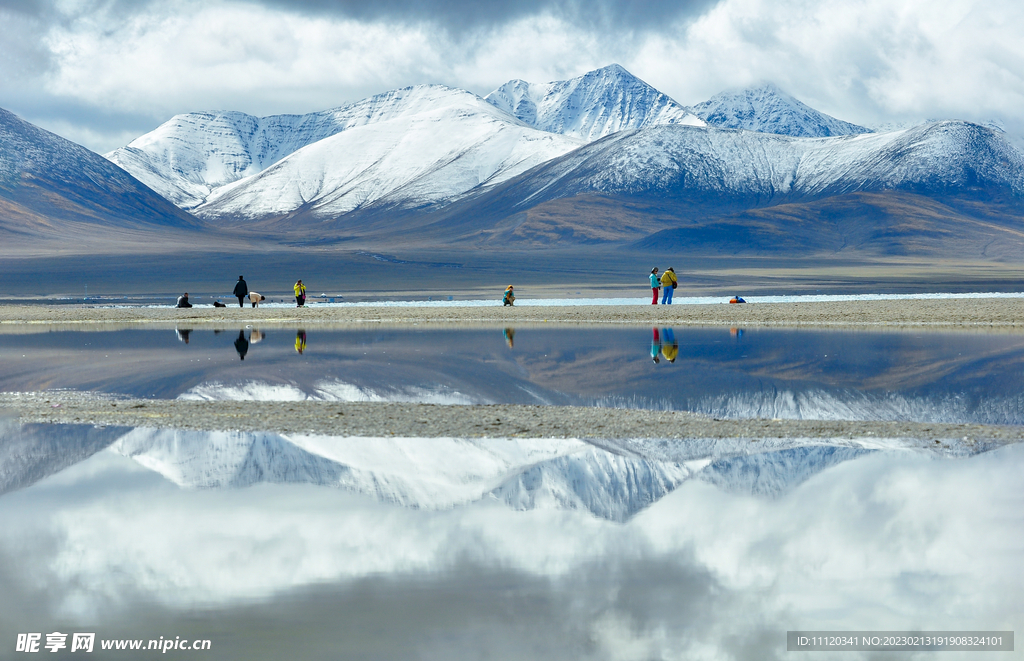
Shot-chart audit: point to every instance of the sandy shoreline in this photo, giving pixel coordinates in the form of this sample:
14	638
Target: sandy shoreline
1004	314
374	419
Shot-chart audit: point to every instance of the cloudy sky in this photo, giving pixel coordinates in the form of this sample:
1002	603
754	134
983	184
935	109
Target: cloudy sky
102	72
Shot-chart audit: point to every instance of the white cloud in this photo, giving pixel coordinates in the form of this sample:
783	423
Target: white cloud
229	56
866	61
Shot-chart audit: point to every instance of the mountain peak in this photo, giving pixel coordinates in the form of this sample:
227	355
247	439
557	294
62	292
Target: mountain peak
591	106
765	108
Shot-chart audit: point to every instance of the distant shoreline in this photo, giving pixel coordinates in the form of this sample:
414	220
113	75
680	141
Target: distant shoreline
1004	314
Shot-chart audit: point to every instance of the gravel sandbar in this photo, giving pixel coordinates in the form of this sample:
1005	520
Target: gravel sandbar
375	419
1004	313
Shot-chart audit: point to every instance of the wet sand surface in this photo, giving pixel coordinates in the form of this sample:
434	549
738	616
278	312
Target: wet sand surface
372	419
1004	313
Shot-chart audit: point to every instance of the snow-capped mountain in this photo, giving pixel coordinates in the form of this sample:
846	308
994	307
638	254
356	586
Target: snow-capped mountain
476	165
191	156
45	178
767	109
743	169
591	106
448	142
413	147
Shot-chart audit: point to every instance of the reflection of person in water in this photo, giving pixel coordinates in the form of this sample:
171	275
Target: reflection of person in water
655	346
669	346
182	334
241	345
300	340
509	334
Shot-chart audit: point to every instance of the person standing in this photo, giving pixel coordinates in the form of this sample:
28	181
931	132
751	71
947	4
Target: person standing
655	345
669	346
668	285
241	345
655	284
241	291
300	294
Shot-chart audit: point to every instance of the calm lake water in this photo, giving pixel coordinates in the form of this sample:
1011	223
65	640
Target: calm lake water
277	546
920	376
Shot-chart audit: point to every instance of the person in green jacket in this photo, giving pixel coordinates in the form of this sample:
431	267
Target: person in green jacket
655	285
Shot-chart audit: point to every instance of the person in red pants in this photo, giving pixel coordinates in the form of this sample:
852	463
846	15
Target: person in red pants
655	284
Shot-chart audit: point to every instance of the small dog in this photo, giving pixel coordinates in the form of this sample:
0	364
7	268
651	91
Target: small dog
255	299
218	304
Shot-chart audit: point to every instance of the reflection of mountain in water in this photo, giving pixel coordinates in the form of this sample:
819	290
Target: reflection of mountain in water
29	453
416	472
328	391
442	473
774	473
848	404
432	473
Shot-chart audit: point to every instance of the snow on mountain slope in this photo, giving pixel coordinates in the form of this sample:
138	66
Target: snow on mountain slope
191	155
452	142
757	169
767	109
423	473
591	106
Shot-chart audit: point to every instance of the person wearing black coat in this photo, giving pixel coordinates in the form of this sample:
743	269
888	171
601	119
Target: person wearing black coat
241	345
241	291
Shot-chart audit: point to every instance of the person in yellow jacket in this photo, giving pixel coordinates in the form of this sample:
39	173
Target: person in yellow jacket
668	285
300	294
669	346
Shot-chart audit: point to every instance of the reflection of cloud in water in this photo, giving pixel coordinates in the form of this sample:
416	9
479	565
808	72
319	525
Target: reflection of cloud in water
883	542
329	391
